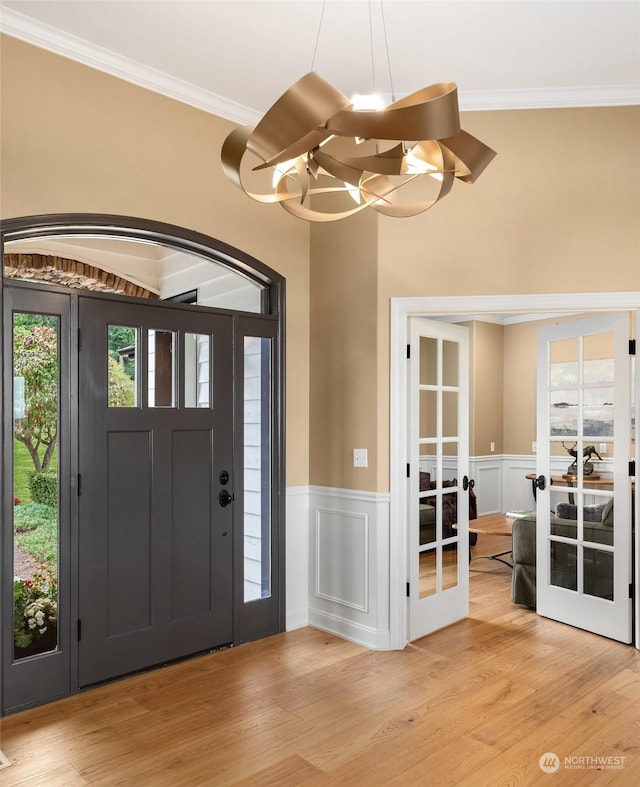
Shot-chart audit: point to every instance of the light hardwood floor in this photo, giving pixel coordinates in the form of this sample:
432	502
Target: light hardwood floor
475	704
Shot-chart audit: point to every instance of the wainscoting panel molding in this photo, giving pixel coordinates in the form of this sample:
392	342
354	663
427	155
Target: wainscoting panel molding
342	581
297	557
487	473
349	565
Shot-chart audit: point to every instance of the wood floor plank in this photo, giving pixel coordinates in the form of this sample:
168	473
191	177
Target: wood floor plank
292	770
474	704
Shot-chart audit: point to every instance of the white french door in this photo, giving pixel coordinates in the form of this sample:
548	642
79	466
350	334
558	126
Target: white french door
584	500
438	587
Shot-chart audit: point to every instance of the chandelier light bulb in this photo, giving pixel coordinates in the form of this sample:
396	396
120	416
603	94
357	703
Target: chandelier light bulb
372	102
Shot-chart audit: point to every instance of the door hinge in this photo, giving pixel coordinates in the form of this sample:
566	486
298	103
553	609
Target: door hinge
632	468
630	590
79	629
408	470
408	351
408	590
632	346
79	485
79	339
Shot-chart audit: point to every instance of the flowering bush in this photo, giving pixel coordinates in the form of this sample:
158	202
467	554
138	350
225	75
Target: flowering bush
35	607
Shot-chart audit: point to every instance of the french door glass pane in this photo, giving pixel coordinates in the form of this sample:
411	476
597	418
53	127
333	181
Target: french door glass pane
36	416
428	573
122	366
428	413
257	467
428	361
450	363
450	566
563	565
598	573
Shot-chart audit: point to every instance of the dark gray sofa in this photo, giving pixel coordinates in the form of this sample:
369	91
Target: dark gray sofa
449	511
598	565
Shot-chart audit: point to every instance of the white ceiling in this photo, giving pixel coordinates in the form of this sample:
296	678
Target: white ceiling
235	58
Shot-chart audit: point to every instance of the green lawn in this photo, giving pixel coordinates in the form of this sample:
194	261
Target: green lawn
22	466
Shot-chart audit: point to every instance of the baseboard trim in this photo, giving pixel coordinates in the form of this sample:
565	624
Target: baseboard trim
355	632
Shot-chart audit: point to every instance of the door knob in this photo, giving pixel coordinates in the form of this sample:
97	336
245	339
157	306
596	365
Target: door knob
225	497
467	483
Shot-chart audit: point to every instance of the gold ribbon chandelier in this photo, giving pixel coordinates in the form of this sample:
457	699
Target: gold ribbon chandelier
320	149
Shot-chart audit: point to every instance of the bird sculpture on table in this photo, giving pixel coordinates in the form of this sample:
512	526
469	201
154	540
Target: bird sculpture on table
587	453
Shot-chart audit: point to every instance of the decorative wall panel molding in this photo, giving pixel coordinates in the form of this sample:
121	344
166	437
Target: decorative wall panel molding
297	557
349	564
344	581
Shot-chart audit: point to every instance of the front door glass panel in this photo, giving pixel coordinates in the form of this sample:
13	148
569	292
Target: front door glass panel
197	370
36	418
161	368
122	363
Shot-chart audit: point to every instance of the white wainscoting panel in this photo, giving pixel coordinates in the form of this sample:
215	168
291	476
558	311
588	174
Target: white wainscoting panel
297	557
487	474
517	489
343	581
349	565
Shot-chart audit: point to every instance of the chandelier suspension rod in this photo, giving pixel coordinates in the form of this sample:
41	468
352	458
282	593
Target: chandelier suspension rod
373	65
315	50
386	47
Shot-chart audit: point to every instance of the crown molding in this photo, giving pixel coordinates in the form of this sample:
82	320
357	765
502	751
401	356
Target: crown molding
54	40
551	98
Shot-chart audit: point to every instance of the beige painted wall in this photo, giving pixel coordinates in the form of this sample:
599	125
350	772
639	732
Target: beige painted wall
487	406
77	140
344	352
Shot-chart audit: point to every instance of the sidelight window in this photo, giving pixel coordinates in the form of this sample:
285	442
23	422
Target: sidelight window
36	417
257	467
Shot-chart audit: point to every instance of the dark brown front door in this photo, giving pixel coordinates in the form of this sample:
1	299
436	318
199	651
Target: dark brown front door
155	453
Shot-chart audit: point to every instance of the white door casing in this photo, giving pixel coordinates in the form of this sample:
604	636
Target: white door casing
583	400
403	309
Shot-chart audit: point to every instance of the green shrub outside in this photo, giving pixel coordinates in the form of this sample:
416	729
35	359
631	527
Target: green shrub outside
44	488
42	543
22	468
28	516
